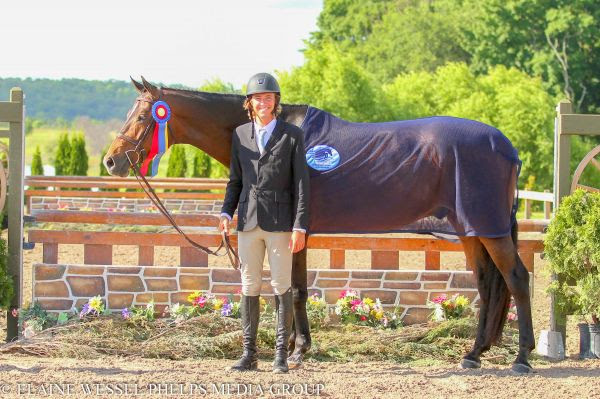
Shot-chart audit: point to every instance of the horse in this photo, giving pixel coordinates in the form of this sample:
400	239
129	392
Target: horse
484	220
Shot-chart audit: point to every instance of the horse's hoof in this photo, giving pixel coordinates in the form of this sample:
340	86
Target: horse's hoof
521	368
470	364
295	360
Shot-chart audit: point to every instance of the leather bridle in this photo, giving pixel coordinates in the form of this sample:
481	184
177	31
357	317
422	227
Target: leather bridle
225	242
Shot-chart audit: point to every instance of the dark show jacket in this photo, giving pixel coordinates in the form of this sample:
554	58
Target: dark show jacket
273	188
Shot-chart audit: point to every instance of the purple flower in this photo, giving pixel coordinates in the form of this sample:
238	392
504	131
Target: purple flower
126	313
226	309
85	310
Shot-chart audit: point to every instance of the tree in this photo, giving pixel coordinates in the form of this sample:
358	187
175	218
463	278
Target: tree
556	40
334	82
103	171
78	160
218	86
177	163
508	99
62	156
201	164
37	166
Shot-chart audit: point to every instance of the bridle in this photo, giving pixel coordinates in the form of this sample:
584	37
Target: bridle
225	242
137	143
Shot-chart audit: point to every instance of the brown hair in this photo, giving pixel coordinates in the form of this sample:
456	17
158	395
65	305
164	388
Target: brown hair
276	108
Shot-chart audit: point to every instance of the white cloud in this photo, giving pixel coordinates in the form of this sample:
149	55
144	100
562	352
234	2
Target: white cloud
173	42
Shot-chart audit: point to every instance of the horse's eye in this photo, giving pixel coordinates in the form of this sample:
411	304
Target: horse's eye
141	117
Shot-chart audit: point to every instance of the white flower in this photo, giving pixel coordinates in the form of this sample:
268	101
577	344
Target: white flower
29	332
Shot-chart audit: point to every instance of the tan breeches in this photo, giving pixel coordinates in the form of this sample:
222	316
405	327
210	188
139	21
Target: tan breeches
252	246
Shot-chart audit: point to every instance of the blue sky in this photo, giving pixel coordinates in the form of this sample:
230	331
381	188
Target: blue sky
173	41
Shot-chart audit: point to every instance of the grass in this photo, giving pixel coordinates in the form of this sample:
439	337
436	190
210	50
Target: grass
207	336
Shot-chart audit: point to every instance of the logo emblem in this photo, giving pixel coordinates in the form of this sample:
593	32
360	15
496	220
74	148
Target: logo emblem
322	157
261	81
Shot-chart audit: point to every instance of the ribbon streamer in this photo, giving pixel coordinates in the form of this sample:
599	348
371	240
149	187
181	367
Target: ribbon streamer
161	112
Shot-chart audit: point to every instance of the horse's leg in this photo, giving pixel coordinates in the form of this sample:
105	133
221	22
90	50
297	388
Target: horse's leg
504	254
479	261
301	330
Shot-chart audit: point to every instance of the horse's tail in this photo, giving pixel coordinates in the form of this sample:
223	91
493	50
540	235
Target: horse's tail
498	298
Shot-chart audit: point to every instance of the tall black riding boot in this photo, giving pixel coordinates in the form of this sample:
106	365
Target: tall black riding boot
250	309
285	316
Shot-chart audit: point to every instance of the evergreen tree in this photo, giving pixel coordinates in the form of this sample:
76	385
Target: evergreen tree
62	155
177	163
201	164
78	160
103	171
37	168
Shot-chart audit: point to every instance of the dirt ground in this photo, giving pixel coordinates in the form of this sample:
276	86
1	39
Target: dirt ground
28	376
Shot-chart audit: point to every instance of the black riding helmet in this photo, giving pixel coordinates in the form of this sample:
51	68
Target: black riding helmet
262	83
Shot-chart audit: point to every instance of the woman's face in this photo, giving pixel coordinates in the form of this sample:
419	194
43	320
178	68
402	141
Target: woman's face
263	105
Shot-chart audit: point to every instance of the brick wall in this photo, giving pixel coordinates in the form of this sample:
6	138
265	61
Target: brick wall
212	207
60	287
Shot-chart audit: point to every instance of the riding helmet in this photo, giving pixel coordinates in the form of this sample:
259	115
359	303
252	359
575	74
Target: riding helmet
262	83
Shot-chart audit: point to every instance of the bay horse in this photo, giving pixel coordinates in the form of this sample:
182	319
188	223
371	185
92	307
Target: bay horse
459	172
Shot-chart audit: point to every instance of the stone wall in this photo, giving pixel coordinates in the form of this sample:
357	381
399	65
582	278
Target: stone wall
60	287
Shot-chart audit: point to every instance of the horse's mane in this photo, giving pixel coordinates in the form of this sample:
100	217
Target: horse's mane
198	94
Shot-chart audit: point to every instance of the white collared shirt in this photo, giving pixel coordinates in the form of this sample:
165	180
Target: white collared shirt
269	127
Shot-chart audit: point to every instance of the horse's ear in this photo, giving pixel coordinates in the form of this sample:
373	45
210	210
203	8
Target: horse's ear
155	91
138	86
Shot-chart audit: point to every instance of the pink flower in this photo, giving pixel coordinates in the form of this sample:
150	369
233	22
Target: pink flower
343	293
440	298
511	317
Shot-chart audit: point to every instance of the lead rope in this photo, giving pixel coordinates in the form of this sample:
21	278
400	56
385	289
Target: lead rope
225	242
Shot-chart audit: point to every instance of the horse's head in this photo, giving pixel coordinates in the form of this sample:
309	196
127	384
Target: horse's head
135	137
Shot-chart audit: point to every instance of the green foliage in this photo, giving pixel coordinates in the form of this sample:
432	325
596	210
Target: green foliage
201	163
504	98
573	248
37	166
556	40
6	280
177	162
334	82
62	156
69	98
218	86
78	157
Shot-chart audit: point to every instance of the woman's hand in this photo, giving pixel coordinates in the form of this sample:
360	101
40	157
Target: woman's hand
297	241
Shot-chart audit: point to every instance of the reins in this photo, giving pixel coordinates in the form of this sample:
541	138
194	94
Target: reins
149	191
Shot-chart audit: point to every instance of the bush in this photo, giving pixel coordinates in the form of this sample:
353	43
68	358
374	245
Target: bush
573	248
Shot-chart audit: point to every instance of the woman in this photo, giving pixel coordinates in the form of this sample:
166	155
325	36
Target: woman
269	180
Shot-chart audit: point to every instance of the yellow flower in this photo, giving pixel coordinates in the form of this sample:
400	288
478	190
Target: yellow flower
96	303
379	314
368	301
262	301
193	296
218	303
462	301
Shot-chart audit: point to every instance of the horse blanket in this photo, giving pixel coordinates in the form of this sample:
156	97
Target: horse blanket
441	175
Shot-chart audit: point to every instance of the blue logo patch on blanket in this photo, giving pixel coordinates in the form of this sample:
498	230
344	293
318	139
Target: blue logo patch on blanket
322	157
